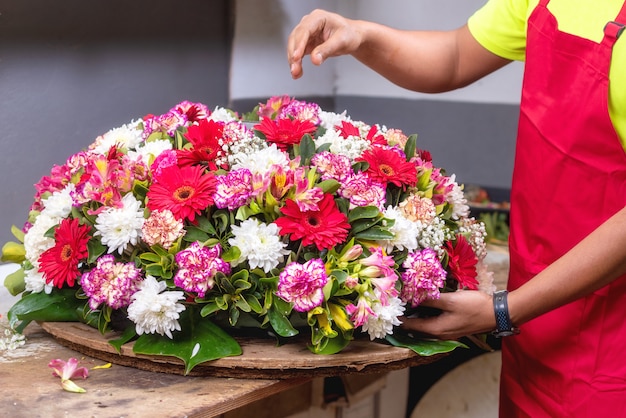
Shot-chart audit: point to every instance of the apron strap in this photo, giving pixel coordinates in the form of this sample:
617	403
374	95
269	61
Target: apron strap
615	28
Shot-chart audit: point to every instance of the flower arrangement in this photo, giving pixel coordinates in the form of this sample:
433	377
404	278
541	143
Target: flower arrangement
182	228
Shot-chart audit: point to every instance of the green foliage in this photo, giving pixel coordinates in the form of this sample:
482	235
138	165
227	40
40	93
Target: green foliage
421	346
59	306
199	341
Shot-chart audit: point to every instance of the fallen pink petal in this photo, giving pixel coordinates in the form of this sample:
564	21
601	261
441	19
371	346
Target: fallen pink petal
68	370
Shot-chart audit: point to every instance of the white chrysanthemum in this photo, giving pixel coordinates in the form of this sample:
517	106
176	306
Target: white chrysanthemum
35	242
221	114
35	282
381	324
155	311
351	147
59	204
148	151
260	162
119	227
127	136
405	232
330	119
456	198
259	244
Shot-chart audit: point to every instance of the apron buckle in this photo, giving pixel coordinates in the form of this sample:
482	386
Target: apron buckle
615	29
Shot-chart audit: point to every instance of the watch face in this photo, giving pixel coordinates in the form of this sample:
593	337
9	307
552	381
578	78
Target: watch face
506	333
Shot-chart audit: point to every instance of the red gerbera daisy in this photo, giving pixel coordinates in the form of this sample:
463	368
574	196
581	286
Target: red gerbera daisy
204	138
285	132
185	191
462	263
59	264
387	166
324	227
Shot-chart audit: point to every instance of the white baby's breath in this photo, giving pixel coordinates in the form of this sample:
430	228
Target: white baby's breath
351	147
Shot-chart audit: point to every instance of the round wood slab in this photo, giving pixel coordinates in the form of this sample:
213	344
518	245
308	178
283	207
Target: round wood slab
261	358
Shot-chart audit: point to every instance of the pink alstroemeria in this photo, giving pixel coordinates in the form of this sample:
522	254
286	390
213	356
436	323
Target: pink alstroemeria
68	370
360	312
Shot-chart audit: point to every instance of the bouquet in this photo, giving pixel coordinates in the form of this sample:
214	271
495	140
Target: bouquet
182	229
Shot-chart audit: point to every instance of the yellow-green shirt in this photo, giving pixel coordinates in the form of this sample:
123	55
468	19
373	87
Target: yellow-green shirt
500	26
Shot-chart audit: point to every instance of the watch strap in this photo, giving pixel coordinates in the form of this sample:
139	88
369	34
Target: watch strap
504	326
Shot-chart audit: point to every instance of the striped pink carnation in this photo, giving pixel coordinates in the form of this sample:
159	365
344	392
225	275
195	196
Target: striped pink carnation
111	283
301	284
423	277
198	266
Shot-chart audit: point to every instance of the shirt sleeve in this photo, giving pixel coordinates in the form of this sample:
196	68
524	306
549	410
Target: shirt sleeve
500	27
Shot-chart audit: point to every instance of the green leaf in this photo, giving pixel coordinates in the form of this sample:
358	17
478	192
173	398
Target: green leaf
204	224
254	303
363	225
151	257
306	149
59	306
331	345
410	147
363	212
280	323
374	234
329	186
423	347
199	341
14	282
210	308
128	334
194	234
232	254
96	249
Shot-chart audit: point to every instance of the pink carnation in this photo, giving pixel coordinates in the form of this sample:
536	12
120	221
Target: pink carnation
301	284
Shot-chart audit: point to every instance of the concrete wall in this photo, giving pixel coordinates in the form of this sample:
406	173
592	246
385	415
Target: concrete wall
470	131
70	70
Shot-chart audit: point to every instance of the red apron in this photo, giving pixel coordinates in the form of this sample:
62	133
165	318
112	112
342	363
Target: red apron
569	177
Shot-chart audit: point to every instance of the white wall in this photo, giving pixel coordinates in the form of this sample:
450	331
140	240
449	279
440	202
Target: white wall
259	66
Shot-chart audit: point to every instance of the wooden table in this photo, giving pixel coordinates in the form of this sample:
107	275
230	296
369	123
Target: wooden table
30	390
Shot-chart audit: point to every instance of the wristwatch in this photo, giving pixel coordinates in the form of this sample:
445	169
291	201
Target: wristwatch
504	327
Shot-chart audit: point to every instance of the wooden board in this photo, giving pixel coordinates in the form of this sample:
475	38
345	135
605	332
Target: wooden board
261	358
30	390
